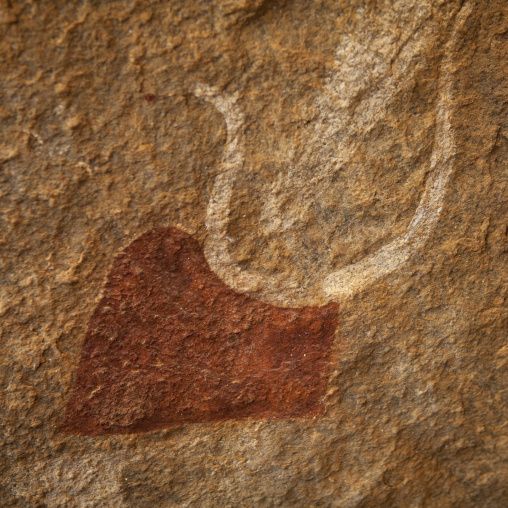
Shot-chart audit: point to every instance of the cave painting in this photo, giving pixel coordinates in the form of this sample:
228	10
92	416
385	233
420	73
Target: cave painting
176	337
171	343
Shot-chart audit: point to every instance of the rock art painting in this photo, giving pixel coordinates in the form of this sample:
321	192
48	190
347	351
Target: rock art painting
356	277
170	343
178	336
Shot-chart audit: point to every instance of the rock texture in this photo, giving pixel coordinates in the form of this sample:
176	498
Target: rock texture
292	140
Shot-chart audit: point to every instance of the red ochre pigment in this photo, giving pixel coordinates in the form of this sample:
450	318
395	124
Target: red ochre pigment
170	343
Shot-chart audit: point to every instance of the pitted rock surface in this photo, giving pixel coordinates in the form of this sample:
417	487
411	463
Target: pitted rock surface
331	112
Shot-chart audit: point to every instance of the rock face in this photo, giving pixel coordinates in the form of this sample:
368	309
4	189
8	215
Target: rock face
325	179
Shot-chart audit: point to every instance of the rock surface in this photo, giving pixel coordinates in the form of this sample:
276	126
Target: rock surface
292	140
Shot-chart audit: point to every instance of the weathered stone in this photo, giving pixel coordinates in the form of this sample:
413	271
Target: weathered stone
322	154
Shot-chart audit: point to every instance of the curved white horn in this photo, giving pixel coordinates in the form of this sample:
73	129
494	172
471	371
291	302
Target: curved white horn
352	279
217	251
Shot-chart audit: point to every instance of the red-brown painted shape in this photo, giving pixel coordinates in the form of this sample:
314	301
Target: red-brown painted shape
170	343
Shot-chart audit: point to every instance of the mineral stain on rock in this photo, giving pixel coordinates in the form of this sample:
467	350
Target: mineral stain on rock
170	343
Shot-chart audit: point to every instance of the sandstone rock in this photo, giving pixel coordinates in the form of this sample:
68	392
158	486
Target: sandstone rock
339	155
